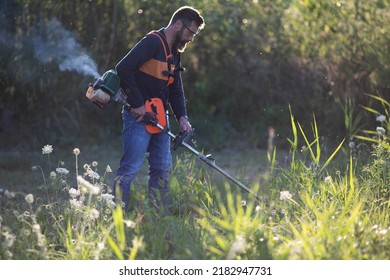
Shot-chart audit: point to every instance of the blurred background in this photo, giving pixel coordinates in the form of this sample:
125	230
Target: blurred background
252	61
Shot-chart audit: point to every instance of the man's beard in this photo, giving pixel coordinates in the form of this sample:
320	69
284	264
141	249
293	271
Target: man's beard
179	44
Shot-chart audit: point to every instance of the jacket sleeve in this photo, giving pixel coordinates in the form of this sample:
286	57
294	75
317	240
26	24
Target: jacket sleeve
176	95
129	65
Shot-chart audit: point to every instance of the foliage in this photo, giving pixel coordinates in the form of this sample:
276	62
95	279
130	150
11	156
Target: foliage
309	209
251	61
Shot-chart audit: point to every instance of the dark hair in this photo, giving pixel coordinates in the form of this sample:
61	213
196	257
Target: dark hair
188	14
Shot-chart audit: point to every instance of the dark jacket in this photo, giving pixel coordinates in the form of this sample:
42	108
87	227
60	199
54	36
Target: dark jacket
143	73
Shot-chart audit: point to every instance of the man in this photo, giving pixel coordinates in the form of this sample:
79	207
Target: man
152	69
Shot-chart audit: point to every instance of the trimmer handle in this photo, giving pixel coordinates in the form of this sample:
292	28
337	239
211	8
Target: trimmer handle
149	118
181	137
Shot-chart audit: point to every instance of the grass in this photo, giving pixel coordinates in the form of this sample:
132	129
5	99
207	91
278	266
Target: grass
313	206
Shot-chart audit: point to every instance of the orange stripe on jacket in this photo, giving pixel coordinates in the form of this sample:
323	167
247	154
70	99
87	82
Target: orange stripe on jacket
155	68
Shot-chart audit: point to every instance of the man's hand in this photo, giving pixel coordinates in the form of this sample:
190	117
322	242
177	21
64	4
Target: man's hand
184	124
138	113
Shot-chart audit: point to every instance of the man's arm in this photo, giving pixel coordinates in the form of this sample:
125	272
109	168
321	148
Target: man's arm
129	65
178	102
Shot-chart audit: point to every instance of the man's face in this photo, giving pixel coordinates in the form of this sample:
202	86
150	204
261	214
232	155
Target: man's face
185	35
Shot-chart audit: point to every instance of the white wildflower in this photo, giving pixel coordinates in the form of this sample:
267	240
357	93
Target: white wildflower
137	242
381	118
380	130
61	170
328	179
285	195
84	183
48	149
9	194
74	193
9	239
351	145
129	223
53	175
238	246
29	198
108	169
107	196
100	246
77	204
94	163
257	209
243	203
36	228
92	174
94	214
76	151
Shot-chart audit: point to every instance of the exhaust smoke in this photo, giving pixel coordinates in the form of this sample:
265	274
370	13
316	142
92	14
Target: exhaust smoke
53	43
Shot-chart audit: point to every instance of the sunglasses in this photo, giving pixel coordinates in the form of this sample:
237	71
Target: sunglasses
192	32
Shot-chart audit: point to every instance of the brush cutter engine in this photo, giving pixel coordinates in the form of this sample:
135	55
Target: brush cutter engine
106	89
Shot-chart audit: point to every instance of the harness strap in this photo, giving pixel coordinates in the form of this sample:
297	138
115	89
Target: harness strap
164	44
168	57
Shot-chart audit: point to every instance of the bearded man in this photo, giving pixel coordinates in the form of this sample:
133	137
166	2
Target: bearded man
150	71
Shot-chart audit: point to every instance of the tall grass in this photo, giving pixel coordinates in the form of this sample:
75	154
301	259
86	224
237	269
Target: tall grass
316	205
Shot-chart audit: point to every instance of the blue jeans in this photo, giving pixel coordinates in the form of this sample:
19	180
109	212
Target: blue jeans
137	143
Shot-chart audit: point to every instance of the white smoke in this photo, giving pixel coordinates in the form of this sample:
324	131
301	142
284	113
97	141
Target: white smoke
53	43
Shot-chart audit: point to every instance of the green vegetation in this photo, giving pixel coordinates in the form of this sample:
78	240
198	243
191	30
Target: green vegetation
336	208
252	60
306	82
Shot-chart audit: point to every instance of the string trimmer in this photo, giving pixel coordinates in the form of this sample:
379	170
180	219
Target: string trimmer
106	89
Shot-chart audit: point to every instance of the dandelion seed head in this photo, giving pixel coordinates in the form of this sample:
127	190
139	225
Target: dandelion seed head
34	168
94	163
29	198
94	214
351	145
47	149
76	151
328	179
53	175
